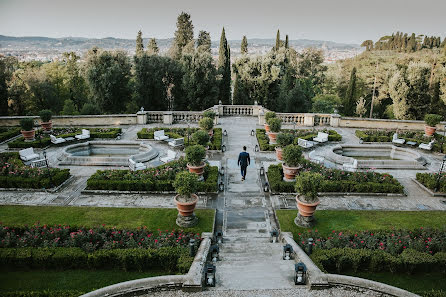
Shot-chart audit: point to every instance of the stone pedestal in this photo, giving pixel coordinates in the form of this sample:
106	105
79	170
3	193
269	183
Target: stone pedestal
219	110
141	118
309	120
187	222
168	118
261	118
306	222
335	120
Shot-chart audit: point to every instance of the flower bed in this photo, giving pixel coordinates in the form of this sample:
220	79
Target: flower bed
430	181
153	179
43	140
337	180
304	134
415	136
13	174
7	133
148	133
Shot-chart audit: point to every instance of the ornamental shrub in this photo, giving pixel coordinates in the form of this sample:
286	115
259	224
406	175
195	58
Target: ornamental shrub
195	155
308	185
275	124
201	137
284	139
432	119
45	115
186	183
206	124
269	115
292	155
27	124
90	109
209	114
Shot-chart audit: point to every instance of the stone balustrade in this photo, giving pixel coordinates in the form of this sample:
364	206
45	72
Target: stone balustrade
292	118
243	110
187	116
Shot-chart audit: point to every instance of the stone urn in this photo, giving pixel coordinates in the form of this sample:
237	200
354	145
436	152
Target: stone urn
306	211
272	137
289	173
267	129
28	135
429	131
47	126
279	152
198	170
186	217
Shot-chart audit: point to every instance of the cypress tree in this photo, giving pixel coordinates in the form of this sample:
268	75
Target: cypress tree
184	33
350	101
152	47
277	40
240	95
204	41
224	68
139	45
286	41
244	46
3	89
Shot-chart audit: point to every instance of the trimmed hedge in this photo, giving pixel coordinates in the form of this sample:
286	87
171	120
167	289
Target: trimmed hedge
173	259
46	293
7	133
429	180
338	260
278	185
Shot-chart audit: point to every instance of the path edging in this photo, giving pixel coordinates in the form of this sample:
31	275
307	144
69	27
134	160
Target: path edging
426	189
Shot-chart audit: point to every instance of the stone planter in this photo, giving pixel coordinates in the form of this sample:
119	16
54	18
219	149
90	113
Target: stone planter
429	131
47	126
198	170
186	217
272	137
305	217
28	135
267	129
279	152
289	173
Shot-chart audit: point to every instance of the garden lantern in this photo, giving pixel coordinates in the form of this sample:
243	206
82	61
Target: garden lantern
274	236
256	149
225	133
310	245
222	171
287	251
300	274
210	275
47	168
192	247
266	187
437	187
262	171
223	148
221	186
214	251
219	236
252	132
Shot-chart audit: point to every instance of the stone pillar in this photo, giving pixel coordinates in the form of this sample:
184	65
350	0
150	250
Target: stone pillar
309	120
261	116
168	118
141	117
220	110
335	120
256	109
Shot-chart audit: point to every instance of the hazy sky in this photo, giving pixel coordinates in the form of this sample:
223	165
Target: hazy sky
335	20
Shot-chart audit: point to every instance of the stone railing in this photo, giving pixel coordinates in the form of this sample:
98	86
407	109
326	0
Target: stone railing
321	119
292	118
191	282
243	110
153	117
187	116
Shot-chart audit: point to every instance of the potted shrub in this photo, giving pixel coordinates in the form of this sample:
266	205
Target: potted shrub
201	137
207	124
212	115
274	124
307	185
269	115
283	139
28	132
292	155
45	117
194	158
186	185
431	122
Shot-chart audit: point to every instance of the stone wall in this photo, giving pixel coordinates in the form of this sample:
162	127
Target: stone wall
347	122
79	120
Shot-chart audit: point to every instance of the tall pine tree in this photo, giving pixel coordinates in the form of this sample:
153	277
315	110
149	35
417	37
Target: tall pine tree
277	40
183	35
152	47
244	46
224	69
350	96
139	45
286	42
240	95
204	41
3	89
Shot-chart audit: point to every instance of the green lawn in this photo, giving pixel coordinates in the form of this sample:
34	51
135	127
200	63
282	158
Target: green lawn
77	280
357	220
152	218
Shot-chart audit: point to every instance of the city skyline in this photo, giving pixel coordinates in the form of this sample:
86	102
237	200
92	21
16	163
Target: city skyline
342	21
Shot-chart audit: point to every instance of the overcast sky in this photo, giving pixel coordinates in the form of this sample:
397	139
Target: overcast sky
350	21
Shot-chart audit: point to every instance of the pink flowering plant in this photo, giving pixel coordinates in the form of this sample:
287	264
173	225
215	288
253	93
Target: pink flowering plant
92	239
426	240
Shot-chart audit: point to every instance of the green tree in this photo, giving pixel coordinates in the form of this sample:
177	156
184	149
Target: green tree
240	95
398	90
299	97
76	83
244	45
3	88
350	95
183	35
277	40
108	77
224	69
152	47
286	41
139	44
69	108
325	103
204	41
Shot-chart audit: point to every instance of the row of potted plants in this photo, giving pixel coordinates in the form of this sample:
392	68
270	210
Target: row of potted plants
27	124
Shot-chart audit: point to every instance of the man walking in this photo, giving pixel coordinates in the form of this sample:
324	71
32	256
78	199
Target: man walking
243	162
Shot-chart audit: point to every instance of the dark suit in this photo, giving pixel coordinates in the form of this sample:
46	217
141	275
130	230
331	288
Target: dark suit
243	162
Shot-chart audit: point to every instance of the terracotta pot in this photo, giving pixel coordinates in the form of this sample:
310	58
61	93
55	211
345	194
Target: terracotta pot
279	152
289	172
28	135
186	209
429	130
47	126
267	129
306	209
198	170
272	137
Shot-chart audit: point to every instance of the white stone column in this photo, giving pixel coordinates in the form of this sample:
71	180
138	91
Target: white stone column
141	117
168	118
309	120
335	120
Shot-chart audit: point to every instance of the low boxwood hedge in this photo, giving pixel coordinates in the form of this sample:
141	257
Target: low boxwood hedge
430	181
173	259
7	133
46	293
